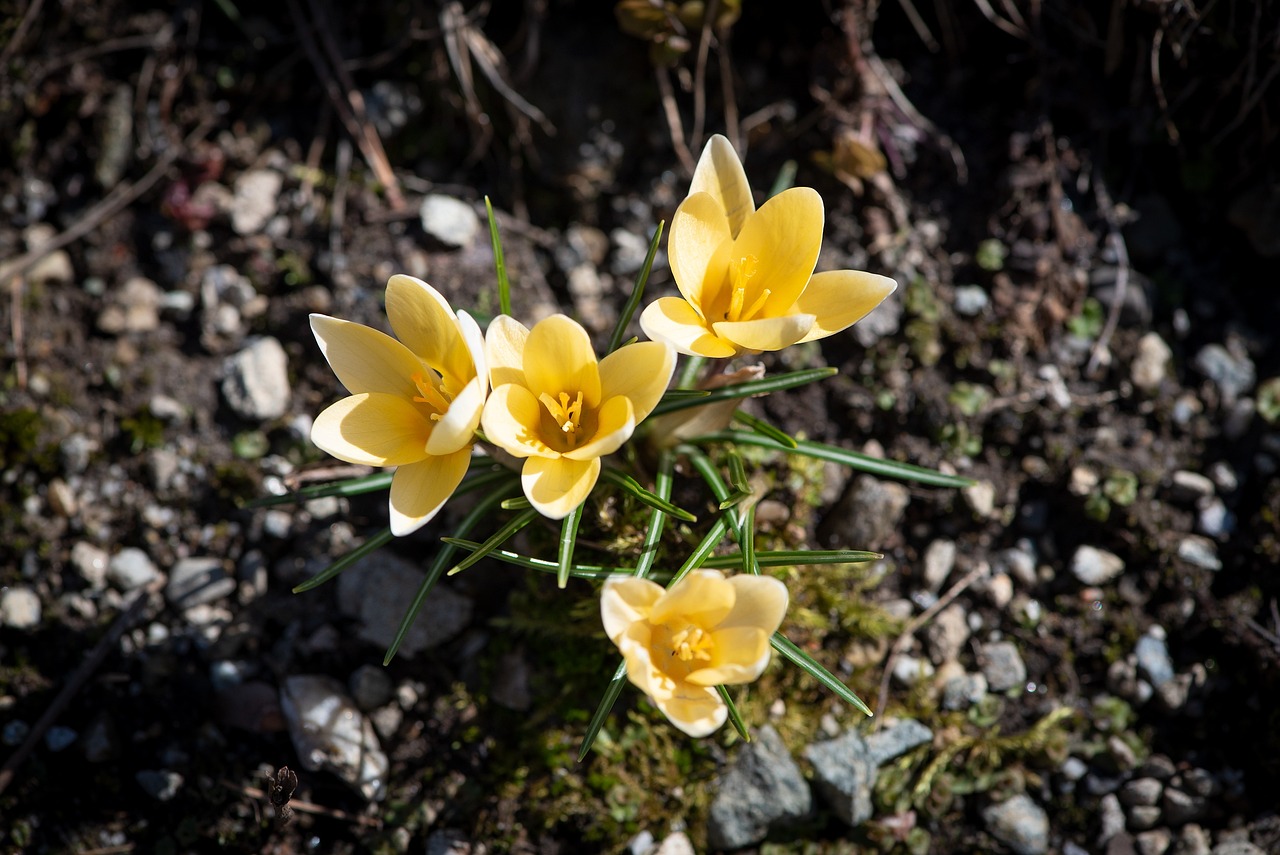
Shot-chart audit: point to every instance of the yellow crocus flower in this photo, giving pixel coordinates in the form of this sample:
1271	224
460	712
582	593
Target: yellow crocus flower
415	403
680	643
746	275
558	408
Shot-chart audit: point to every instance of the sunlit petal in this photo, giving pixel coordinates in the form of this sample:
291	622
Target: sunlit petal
623	601
720	174
697	248
374	429
839	298
704	597
365	359
504	351
741	654
558	357
640	371
419	490
555	486
782	241
696	711
765	333
423	321
510	419
473	340
615	424
457	427
759	601
673	321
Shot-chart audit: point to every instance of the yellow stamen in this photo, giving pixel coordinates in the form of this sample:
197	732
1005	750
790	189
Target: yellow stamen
429	394
692	643
567	415
740	274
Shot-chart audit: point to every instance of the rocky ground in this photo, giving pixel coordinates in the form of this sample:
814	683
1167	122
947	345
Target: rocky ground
1077	654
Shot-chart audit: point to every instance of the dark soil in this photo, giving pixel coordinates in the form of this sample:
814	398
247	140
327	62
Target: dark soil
1040	158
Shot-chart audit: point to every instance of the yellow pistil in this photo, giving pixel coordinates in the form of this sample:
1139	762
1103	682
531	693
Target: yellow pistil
567	415
692	643
429	394
740	275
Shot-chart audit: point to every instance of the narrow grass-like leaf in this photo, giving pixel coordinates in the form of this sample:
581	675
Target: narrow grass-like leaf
515	503
375	542
763	428
748	540
578	571
696	396
737	480
795	558
707	469
496	539
733	391
708	544
811	667
602	711
663	480
843	456
637	293
734	716
785	180
568	539
499	263
348	487
688	378
482	511
624	481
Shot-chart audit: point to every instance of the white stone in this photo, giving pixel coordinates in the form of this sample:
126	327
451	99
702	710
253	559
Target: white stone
256	380
451	221
19	608
254	203
1093	566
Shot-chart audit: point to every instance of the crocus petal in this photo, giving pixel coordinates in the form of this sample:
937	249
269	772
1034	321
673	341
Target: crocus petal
784	238
504	351
840	298
419	490
558	357
473	339
673	321
625	600
759	601
765	333
741	654
457	427
641	371
704	597
373	429
423	321
697	712
698	246
555	486
616	422
511	417
720	173
365	359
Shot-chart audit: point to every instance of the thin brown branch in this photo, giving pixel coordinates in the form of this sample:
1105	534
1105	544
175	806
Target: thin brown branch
731	128
1121	251
672	110
28	17
700	76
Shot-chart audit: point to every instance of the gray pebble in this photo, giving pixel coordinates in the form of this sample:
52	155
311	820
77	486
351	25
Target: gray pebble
845	774
1192	840
970	300
379	587
1142	817
947	634
450	221
964	691
761	789
1232	373
1181	807
868	514
198	581
1190	486
1093	566
1141	791
59	738
1002	665
254	202
1199	551
629	252
371	687
1153	657
256	380
131	568
1154	842
1215	520
19	607
1237	847
896	739
1110	818
160	785
329	732
1151	363
1020	824
939	559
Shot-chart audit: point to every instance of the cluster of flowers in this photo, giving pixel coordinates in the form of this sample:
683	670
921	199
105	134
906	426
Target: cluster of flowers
421	401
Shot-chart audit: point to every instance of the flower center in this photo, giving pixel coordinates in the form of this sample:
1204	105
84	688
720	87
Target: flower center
692	643
740	274
566	413
431	395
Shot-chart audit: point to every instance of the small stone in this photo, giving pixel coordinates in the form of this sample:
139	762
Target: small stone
1154	842
256	380
167	409
947	635
254	202
160	785
55	266
999	589
1002	665
1152	654
1192	840
76	452
1020	824
59	738
376	589
131	568
511	682
1151	363
981	498
198	581
1199	551
868	514
1073	768
939	559
844	773
330	732
675	844
763	788
629	252
1141	791
1093	566
896	739
1111	819
1215	520
964	691
371	687
970	300
1142	817
451	841
1232	373
1190	486
90	562
452	222
62	499
909	670
19	608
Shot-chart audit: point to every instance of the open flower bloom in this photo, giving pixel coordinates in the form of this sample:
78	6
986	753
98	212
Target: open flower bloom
558	408
415	403
746	275
705	631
